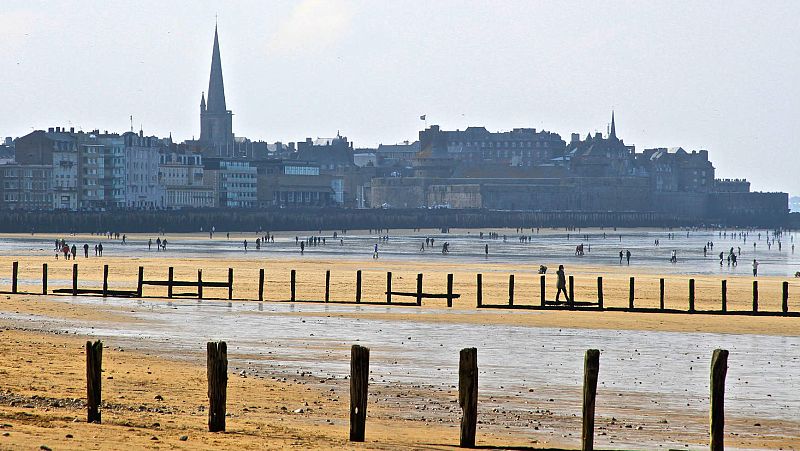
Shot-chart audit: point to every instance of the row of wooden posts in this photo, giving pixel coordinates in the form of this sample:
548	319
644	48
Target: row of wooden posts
217	377
417	295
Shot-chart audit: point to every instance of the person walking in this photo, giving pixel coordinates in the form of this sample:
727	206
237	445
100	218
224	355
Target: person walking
85	250
486	250
375	252
620	256
100	249
561	283
628	256
74	251
755	268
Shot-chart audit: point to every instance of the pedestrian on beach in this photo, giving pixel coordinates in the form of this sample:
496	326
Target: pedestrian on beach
628	256
85	250
100	249
375	252
620	256
486	250
74	251
302	247
755	268
150	244
245	245
422	247
561	283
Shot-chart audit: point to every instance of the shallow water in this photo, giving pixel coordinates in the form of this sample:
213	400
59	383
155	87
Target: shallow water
466	246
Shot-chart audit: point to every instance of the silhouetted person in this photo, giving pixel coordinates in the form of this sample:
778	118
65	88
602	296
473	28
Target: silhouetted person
85	250
561	283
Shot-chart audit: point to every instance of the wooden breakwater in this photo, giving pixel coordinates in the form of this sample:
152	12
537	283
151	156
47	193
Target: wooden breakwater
468	392
198	288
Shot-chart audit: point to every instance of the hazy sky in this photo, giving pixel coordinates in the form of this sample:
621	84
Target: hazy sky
722	76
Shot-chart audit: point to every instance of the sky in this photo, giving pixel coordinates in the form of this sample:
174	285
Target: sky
717	75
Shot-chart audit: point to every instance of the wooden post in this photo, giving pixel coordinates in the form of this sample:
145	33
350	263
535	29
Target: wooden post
755	295
292	284
199	284
170	273
327	285
74	279
468	395
140	282
261	284
217	371
14	271
600	292
511	290
630	294
450	290
358	286
44	278
94	365
591	366
719	369
785	298
571	291
661	293
724	295
105	280
479	288
691	295
359	383
388	287
541	289
419	289
230	283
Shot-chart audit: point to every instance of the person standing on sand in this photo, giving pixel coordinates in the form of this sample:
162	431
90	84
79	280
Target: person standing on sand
375	252
100	249
85	250
561	283
628	256
620	256
74	251
422	247
150	244
302	247
245	245
486	250
755	268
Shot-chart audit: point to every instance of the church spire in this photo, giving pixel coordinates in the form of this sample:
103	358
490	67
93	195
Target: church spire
613	132
203	102
216	88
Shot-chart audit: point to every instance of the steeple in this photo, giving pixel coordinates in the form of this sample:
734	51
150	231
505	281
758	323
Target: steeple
613	132
216	88
203	102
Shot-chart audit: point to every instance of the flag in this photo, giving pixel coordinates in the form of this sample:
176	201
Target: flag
422	118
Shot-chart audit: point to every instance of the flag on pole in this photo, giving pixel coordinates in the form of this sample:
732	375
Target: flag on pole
422	118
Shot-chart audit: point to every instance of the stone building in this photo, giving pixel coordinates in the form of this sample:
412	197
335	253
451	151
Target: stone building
181	176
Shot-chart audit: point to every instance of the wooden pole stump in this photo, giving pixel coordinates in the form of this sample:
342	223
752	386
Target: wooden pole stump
571	291
419	289
719	369
511	290
74	279
327	285
479	293
591	367
755	295
661	293
600	292
631	293
292	282
449	290
388	287
217	371
691	295
468	395
94	365
170	275
199	284
105	280
44	278
140	282
359	384
785	298
358	286
542	290
230	283
261	285
724	295
14	271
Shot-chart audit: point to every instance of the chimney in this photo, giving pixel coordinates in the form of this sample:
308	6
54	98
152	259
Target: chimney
575	138
50	130
72	129
58	129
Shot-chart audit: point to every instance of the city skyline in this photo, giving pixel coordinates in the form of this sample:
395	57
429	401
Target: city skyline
310	72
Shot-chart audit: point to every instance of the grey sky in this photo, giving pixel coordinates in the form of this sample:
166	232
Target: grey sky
716	75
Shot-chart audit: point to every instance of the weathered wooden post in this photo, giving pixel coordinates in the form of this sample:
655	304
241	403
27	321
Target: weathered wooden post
230	283
105	280
691	295
199	284
724	295
358	286
74	279
785	298
479	288
449	290
44	278
630	294
140	282
359	384
170	275
388	287
719	369
468	395
755	295
591	367
661	293
14	271
571	291
261	285
217	371
600	292
511	290
419	289
542	290
327	285
94	365
292	284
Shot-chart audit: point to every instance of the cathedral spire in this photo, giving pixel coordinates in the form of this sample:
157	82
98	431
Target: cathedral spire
613	132
216	88
203	102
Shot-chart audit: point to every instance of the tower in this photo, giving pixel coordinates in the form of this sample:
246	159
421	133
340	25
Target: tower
216	121
613	132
